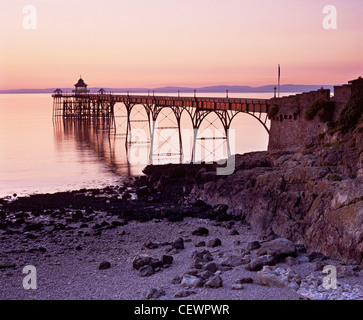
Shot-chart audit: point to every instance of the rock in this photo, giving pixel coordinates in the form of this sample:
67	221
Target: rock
143	191
303	258
184	293
155	263
203	256
237	286
200	244
258	263
211	267
33	227
253	245
167	260
176	280
223	217
268	235
234	261
193	273
245	280
300	248
178	244
319	265
77	216
312	288
224	268
28	235
174	217
348	271
279	277
104	265
200	232
317	256
155	293
214	282
279	248
151	245
291	261
219	209
117	223
190	281
206	275
141	261
233	232
146	271
197	264
214	243
104	224
8	265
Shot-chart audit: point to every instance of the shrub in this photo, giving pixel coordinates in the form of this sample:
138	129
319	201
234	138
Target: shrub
273	112
323	108
352	114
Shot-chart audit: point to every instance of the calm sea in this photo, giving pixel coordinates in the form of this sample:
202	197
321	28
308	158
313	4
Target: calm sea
41	155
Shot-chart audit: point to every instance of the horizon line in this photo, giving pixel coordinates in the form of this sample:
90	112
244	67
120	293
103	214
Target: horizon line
170	87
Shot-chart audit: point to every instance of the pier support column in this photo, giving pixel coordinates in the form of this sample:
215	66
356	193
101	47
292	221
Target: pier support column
226	117
128	125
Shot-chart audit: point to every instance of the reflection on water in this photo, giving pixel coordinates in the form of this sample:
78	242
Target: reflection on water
96	136
38	154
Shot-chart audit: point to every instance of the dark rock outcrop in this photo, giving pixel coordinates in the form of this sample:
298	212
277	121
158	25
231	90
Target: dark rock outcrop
306	197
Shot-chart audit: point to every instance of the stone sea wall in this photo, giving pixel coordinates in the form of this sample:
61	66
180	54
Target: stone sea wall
290	129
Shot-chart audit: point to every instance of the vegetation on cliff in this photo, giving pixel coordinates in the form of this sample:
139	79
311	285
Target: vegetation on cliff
273	111
350	118
323	108
352	115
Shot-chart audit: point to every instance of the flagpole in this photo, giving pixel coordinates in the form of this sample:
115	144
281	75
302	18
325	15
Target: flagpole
278	86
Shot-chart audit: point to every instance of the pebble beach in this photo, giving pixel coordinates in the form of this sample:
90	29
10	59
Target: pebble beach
89	254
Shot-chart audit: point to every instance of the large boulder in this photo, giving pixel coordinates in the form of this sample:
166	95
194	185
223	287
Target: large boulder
279	277
259	262
279	248
190	281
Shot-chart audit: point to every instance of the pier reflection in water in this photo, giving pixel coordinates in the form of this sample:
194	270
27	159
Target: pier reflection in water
95	136
128	149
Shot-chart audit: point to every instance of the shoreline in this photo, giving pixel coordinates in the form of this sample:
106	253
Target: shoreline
68	236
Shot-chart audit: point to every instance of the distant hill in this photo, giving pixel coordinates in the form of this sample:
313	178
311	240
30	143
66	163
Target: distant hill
221	88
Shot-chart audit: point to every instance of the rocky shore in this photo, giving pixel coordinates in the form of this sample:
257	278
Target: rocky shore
310	196
182	232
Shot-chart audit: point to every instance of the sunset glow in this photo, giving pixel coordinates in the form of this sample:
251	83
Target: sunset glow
147	43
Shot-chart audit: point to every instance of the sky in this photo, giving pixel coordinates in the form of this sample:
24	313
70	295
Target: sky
153	43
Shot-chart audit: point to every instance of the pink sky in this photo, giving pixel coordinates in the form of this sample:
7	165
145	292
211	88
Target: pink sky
144	43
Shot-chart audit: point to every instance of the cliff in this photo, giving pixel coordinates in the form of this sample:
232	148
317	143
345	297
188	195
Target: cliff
307	187
306	197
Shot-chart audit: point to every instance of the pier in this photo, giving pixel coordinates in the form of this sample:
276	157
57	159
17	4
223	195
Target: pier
97	107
